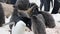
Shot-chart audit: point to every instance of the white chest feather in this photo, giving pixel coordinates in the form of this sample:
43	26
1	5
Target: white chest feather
19	28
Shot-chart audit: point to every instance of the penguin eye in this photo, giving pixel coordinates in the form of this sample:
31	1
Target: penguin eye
28	24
